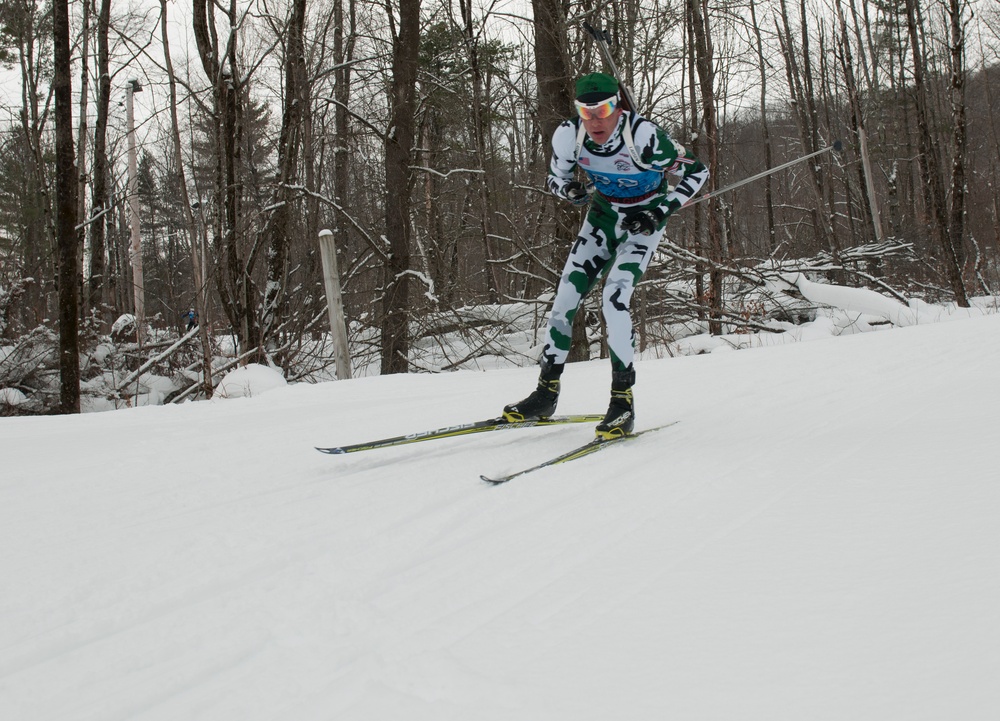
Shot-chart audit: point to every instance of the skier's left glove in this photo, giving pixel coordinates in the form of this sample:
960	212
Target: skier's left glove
643	222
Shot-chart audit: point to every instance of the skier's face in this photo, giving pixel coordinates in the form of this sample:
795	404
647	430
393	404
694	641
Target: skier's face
600	129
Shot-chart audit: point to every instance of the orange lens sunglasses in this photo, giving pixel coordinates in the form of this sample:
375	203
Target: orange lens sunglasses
602	109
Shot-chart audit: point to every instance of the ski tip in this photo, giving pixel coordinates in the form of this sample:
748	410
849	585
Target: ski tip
493	481
331	451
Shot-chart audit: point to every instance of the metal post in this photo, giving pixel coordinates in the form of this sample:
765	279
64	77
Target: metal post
335	304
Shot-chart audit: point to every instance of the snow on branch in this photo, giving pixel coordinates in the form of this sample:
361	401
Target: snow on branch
429	293
445	175
380	132
135	375
849	260
857	300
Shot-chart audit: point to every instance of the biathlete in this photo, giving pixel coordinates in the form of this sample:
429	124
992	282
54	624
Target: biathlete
627	160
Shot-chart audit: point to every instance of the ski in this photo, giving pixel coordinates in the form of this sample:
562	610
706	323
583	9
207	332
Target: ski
598	444
462	429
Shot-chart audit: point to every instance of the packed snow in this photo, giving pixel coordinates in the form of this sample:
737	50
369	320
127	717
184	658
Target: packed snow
816	538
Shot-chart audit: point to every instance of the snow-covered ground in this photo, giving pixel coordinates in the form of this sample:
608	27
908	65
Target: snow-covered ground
817	538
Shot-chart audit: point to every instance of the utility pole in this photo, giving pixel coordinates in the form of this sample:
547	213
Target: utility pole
135	246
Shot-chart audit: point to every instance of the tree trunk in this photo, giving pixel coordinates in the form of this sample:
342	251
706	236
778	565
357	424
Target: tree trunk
706	80
398	179
956	229
930	165
766	130
278	229
40	232
551	66
234	283
480	127
66	209
81	148
806	117
858	125
193	225
700	244
555	78
99	191
343	54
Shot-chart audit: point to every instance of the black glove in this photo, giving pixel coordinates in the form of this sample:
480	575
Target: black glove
576	193
643	222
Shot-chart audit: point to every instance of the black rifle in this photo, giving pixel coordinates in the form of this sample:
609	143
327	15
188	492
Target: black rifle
603	41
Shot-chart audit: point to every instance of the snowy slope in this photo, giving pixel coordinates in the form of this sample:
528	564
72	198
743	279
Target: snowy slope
818	538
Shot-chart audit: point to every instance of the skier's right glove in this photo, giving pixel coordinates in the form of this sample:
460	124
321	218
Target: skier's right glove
576	192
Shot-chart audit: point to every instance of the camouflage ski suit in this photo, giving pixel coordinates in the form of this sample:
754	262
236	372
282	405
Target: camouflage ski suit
624	179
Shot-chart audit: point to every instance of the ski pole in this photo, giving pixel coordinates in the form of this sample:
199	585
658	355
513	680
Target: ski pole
837	146
602	39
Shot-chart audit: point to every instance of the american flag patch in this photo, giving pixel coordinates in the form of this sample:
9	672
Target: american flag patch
584	161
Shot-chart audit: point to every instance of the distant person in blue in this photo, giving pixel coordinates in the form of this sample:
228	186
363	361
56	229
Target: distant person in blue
192	319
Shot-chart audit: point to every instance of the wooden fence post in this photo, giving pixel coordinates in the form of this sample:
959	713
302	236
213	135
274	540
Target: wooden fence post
335	304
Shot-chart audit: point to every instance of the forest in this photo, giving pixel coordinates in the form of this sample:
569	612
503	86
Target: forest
163	162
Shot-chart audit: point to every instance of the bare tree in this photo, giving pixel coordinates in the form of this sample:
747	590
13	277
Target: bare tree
29	25
66	210
481	137
555	79
99	178
956	221
193	230
858	124
398	183
765	126
344	40
279	225
930	162
220	61
83	131
798	68
704	62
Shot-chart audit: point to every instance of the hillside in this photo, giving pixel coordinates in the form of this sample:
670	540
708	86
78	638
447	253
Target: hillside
817	538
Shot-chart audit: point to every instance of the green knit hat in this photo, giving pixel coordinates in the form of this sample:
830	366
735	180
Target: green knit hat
595	87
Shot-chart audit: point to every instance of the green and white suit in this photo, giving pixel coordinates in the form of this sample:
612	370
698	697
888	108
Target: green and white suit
622	184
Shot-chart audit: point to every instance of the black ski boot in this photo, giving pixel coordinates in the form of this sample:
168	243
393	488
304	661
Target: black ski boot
620	418
542	401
